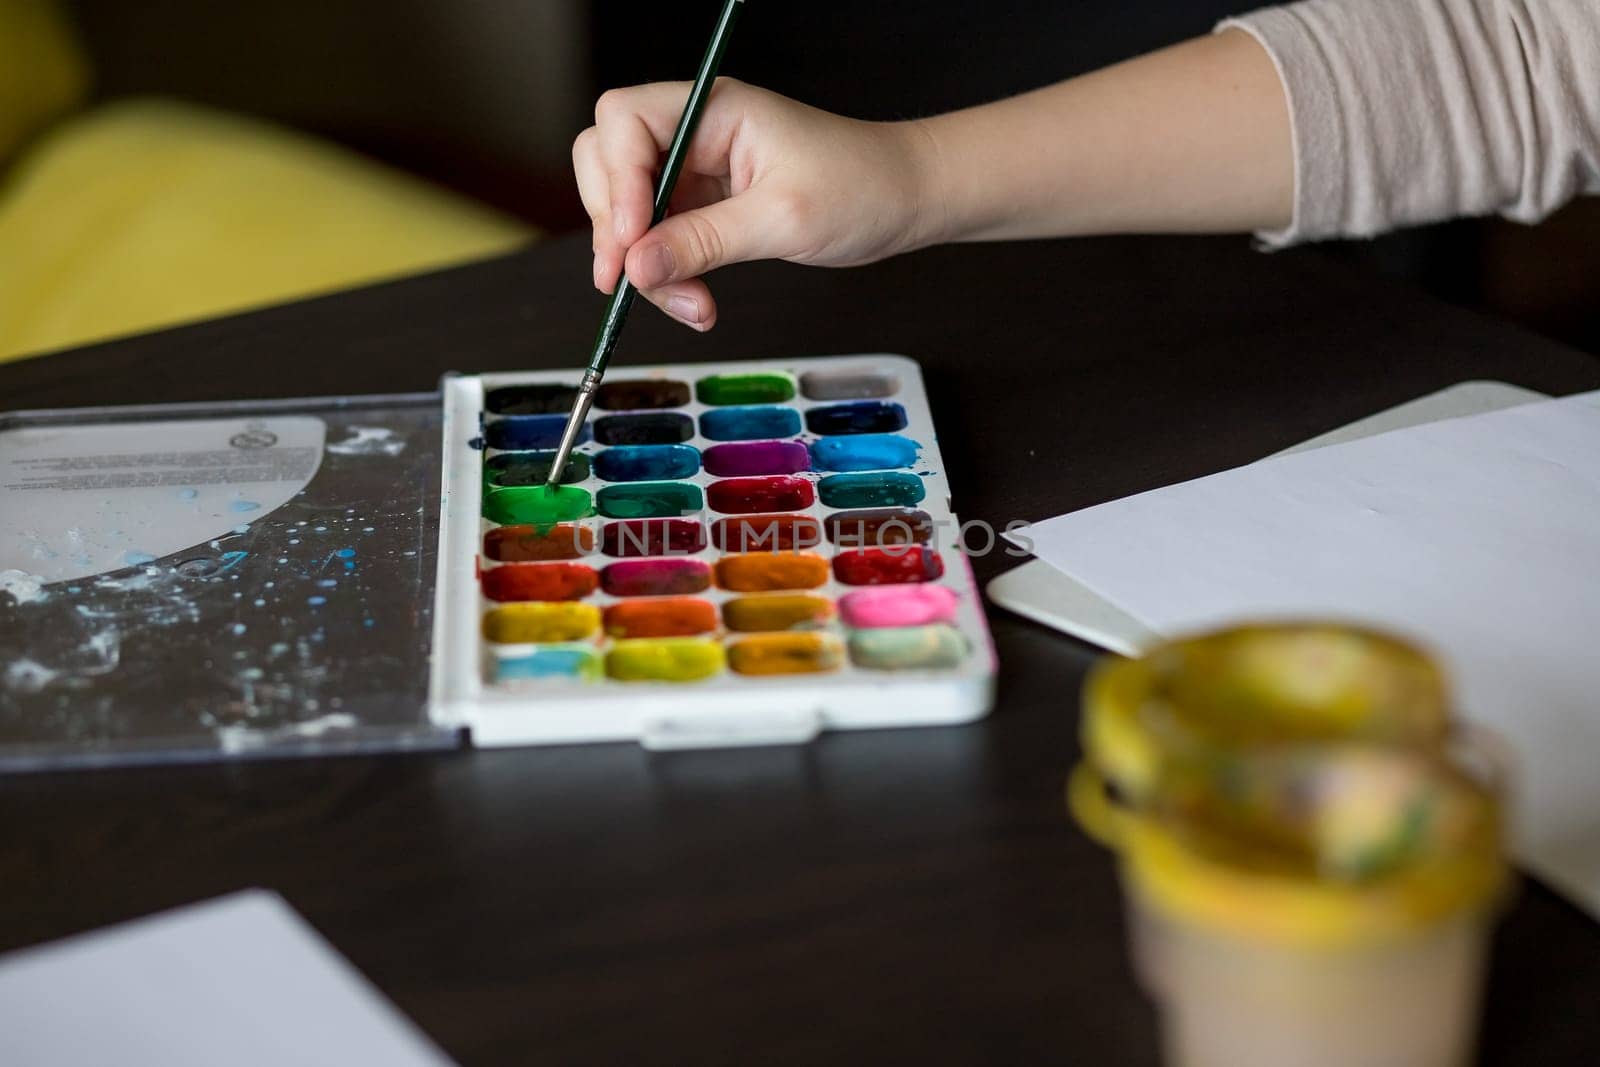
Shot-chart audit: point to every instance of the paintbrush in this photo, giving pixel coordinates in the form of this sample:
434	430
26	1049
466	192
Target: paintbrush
622	299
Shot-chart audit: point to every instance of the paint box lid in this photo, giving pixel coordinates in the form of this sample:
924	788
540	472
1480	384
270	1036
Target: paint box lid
185	582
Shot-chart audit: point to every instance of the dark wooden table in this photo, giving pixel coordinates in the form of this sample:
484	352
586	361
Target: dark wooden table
887	896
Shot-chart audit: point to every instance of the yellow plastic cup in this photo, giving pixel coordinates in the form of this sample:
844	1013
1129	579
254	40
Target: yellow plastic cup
1324	905
1310	850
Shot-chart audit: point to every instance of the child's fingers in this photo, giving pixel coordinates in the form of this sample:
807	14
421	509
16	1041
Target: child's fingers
631	140
595	192
630	158
659	105
688	245
689	302
587	167
635	126
616	162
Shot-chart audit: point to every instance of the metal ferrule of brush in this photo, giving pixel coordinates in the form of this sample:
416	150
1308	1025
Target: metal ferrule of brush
569	436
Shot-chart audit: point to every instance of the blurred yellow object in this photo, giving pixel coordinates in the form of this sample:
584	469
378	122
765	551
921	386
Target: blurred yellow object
1198	697
1357	845
1310	848
42	73
147	213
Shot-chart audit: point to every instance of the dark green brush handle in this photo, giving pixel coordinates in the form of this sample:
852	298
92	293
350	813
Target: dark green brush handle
622	299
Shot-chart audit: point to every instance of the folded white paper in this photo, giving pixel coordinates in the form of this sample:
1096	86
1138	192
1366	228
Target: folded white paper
241	980
1477	536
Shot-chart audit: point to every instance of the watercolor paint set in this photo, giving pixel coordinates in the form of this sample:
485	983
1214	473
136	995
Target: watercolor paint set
738	553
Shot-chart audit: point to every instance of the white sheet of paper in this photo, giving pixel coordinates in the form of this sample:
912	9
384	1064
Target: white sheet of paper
1035	590
1477	536
241	980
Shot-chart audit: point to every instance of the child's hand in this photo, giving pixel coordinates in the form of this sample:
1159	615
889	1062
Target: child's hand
765	178
1194	138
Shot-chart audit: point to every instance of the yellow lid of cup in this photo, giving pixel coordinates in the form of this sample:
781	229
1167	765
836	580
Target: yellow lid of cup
1320	847
1252	686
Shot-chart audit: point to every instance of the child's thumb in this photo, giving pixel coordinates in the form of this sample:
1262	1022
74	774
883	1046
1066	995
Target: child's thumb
690	244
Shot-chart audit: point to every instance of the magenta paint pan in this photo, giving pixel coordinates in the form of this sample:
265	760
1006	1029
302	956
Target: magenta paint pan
656	577
741	459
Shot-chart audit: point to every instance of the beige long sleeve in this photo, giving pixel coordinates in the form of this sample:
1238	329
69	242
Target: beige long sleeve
1409	111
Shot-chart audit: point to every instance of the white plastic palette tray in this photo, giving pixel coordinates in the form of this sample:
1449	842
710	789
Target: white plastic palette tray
474	681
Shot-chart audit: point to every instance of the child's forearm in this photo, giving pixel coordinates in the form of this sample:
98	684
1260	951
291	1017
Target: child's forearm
1191	138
